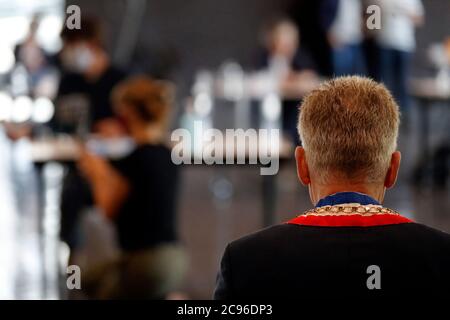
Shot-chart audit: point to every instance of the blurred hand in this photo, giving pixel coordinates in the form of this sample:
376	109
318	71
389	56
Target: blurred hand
109	128
333	41
17	131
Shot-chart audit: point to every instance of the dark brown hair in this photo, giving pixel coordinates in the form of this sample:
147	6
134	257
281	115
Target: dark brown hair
90	31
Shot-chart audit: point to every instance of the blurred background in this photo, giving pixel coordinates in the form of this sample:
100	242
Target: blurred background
85	171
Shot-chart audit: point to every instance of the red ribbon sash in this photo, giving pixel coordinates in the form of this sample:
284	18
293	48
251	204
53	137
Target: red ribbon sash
351	220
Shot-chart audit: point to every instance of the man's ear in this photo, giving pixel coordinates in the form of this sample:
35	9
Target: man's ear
302	166
392	173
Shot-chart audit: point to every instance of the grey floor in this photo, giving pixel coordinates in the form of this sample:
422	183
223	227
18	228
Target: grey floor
217	205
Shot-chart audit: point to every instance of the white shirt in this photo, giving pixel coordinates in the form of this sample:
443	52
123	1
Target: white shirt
346	27
397	25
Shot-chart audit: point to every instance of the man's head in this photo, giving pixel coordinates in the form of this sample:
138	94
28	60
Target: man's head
348	127
83	50
281	38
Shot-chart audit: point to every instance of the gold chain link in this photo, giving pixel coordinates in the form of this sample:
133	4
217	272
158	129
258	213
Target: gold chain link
338	210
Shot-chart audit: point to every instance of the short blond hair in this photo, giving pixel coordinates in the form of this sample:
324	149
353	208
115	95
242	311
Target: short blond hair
348	127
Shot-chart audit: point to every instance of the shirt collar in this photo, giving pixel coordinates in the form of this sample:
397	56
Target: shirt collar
346	197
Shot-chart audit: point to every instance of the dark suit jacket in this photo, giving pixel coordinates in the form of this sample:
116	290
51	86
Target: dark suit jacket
291	261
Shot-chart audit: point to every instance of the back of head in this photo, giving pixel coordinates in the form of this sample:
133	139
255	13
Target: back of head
150	99
348	127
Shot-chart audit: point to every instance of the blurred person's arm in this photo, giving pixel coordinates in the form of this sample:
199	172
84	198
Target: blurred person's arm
327	13
327	16
109	187
416	13
299	83
302	78
109	128
447	48
411	8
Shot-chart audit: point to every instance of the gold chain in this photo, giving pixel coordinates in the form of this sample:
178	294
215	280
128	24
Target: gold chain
350	209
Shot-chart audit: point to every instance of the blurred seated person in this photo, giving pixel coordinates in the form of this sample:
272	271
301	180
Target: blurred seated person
139	194
349	244
87	79
289	64
33	75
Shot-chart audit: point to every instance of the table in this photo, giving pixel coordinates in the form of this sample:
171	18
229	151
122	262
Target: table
66	150
427	93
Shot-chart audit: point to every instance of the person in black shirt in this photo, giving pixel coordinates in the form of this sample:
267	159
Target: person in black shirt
139	194
96	94
87	74
83	107
147	217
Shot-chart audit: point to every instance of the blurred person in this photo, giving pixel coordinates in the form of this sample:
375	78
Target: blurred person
37	63
284	56
349	245
139	194
88	72
345	37
396	39
314	19
83	107
370	47
441	157
288	62
33	75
